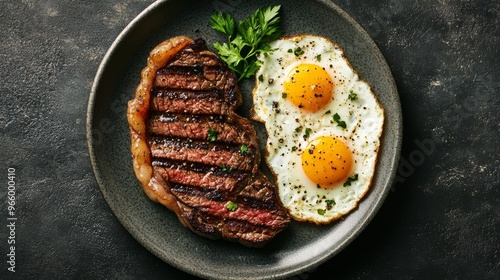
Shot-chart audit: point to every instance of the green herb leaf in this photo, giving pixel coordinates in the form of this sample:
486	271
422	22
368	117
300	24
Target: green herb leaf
226	169
318	57
230	54
250	69
350	180
339	122
330	203
244	150
212	135
223	22
231	206
298	51
352	96
307	132
321	212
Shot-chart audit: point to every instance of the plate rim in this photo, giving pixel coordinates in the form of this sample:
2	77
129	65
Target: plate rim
394	160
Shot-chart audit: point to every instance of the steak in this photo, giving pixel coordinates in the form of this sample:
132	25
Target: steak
192	153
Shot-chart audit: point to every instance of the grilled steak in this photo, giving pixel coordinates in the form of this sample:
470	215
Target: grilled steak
193	153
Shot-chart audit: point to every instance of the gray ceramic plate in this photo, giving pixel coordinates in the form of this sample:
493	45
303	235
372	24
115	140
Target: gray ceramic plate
302	246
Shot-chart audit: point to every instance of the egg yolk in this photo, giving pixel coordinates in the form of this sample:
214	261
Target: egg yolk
309	87
327	160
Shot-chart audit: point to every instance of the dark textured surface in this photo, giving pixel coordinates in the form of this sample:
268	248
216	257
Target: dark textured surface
441	221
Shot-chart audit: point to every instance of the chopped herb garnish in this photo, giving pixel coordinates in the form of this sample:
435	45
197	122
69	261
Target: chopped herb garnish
321	212
328	112
284	95
224	168
298	129
330	202
261	78
308	132
352	95
244	150
231	206
212	135
350	180
298	51
294	148
339	122
318	57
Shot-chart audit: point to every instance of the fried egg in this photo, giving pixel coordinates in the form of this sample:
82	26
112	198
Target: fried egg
323	127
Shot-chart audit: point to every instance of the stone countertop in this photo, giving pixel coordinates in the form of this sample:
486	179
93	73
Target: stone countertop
440	221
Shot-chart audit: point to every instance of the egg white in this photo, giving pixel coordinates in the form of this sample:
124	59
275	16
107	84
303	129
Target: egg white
364	117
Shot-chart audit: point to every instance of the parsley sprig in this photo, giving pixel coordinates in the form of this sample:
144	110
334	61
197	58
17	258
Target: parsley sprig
247	39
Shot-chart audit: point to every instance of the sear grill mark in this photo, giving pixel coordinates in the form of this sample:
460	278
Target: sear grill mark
206	102
218	154
200	127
